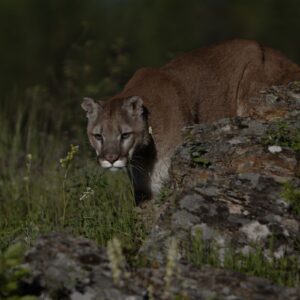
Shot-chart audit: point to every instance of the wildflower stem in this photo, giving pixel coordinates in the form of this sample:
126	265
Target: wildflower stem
27	182
66	164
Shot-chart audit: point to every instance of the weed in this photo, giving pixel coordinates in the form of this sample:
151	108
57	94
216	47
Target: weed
171	268
203	252
117	261
27	180
196	154
292	196
164	193
150	292
66	164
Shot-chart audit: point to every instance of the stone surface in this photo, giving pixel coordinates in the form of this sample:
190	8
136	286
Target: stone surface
65	267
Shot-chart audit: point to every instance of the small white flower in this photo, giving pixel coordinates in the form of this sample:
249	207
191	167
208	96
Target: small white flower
88	193
274	149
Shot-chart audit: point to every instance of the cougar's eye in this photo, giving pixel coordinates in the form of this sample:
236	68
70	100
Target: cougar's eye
125	135
98	137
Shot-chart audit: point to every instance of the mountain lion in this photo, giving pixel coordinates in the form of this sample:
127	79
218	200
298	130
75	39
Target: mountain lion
141	126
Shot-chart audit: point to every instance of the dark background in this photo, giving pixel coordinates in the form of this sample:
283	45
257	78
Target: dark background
76	48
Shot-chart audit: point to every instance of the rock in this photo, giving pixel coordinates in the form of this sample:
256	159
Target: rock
239	194
274	149
191	202
255	231
65	267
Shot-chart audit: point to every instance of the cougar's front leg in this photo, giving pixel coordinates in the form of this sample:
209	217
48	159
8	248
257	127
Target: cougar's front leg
140	179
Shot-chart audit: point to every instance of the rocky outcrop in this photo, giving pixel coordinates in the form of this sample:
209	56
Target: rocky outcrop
234	185
232	178
64	267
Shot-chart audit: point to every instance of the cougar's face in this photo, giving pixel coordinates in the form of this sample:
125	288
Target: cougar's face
115	128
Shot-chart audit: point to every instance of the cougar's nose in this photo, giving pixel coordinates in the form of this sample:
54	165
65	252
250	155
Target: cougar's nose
111	157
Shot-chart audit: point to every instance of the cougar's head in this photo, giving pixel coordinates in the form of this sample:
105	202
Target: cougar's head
116	128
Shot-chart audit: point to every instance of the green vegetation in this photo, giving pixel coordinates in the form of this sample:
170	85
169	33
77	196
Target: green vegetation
11	272
280	134
292	196
283	271
44	187
196	153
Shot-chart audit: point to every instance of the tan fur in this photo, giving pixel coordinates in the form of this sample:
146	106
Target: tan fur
202	86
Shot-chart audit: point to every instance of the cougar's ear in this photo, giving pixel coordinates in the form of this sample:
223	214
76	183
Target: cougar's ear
91	107
134	106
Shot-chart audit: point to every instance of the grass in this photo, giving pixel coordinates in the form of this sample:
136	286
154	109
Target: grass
282	271
44	186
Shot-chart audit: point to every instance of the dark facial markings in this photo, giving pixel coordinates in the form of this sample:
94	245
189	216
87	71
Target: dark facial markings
98	136
126	135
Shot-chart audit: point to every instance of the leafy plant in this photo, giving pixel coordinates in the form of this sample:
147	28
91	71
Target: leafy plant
280	134
11	272
196	154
